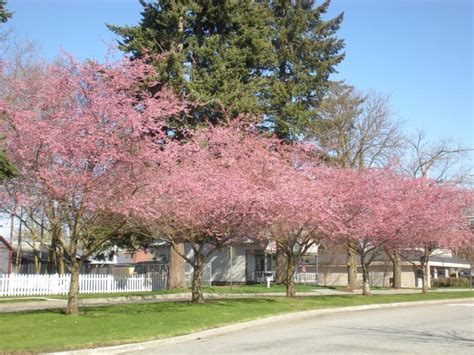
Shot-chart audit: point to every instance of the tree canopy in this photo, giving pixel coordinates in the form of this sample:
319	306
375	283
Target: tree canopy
271	58
214	52
4	13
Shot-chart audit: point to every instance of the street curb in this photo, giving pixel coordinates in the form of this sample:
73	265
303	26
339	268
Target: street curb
135	347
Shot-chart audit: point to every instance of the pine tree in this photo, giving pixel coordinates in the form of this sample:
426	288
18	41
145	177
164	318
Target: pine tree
307	52
269	58
7	170
216	52
4	13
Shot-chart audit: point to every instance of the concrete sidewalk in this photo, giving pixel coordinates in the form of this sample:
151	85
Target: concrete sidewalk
49	303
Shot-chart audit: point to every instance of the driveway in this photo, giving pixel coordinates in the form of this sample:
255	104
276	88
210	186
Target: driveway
433	329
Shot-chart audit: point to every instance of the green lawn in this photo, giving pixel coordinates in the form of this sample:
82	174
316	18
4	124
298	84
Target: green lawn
51	330
257	288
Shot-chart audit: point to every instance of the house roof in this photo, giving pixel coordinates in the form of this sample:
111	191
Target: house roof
449	261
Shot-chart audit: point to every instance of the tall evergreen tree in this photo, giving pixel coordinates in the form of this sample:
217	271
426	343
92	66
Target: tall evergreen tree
4	13
7	170
307	52
270	58
216	51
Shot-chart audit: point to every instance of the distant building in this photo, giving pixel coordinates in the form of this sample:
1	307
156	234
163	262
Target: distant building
5	256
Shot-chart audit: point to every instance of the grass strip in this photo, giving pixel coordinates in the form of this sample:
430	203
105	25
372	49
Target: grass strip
257	288
112	325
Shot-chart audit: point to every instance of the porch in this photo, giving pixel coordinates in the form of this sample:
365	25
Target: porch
300	277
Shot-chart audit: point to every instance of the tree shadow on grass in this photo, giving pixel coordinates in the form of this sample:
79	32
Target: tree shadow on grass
172	307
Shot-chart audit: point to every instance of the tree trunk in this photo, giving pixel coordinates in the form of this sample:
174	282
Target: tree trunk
18	250
351	270
52	265
176	277
197	296
424	278
60	260
365	276
290	277
428	275
73	299
281	267
397	270
56	252
37	263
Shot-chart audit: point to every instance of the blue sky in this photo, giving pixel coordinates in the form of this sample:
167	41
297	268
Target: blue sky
418	51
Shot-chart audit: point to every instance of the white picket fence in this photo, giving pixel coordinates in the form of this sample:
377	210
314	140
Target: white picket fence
54	284
306	277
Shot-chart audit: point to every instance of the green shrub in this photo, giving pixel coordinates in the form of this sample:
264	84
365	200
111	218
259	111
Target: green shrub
460	282
451	282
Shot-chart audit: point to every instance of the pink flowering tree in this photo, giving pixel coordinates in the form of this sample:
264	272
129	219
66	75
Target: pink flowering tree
433	218
370	205
297	204
79	141
207	194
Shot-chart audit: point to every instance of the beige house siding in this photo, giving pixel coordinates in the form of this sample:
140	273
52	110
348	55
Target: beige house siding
335	275
408	276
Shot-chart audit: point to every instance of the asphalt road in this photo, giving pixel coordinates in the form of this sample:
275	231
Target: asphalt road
434	329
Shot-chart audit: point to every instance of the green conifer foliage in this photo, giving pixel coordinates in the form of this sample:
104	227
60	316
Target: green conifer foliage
216	51
267	58
307	52
4	13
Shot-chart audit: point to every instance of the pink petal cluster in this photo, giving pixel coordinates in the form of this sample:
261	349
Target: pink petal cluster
84	129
